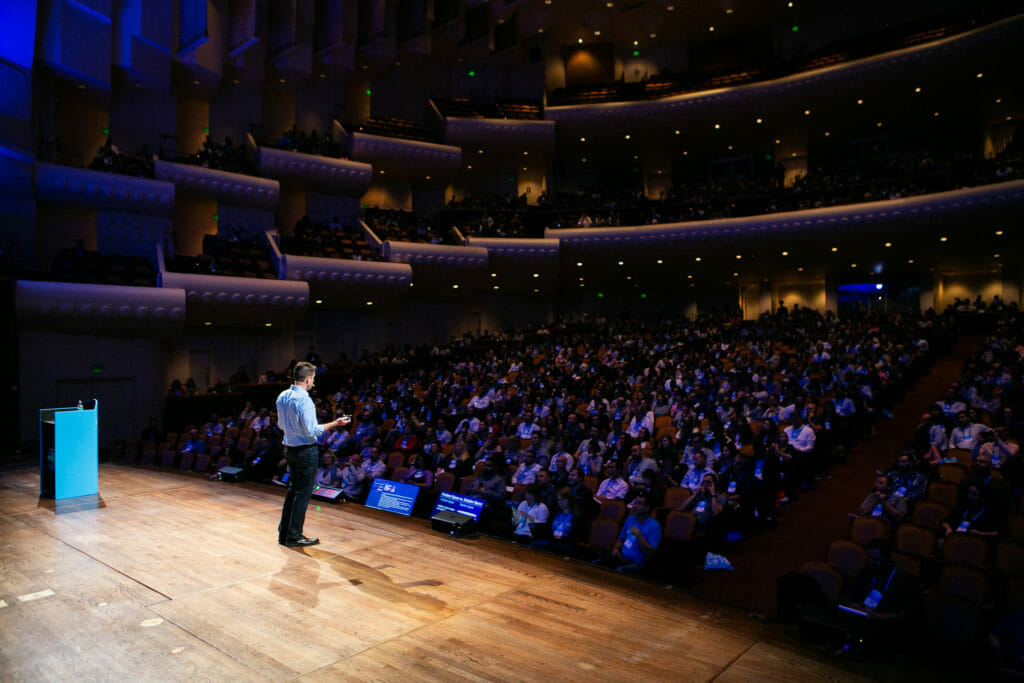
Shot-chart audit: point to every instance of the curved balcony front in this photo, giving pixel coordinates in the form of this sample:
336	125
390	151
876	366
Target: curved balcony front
334	176
232	188
67	186
440	269
406	159
224	301
520	266
100	309
987	48
345	284
464	132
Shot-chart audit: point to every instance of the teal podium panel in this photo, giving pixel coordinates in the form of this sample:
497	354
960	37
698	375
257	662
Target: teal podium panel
69	451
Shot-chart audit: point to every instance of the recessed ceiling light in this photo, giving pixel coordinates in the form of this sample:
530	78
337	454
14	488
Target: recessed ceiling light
711	28
943	239
999	232
660	261
853	265
697	259
718	126
677	132
579	264
835	248
980	74
860	101
758	121
785	253
917	89
319	301
910	260
807	112
739	256
888	244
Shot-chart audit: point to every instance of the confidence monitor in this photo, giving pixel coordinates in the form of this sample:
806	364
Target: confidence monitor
392	496
455	514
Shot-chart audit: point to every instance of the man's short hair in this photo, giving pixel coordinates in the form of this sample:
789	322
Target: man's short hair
303	370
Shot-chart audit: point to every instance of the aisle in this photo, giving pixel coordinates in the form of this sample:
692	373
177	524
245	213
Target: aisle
808	525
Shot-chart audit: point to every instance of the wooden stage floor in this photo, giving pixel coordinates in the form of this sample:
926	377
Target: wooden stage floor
168	576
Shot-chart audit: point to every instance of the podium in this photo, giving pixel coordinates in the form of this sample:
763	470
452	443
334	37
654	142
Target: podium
68	452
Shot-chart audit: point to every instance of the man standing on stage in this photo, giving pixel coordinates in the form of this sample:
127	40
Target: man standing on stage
296	415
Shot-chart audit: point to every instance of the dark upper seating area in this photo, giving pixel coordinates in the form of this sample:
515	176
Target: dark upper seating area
78	264
324	240
404	226
110	159
391	127
882	180
226	156
464	107
769	66
295	140
233	256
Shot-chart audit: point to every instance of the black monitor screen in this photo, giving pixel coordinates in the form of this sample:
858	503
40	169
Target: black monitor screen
392	496
454	502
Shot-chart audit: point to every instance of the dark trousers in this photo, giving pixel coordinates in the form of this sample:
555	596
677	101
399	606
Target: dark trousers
302	463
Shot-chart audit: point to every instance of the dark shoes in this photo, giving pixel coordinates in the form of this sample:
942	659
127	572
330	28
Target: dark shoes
300	542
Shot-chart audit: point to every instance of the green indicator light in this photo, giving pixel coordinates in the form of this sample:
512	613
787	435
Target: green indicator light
795	29
600	295
368	91
206	129
643	295
472	73
636	53
216	217
105	131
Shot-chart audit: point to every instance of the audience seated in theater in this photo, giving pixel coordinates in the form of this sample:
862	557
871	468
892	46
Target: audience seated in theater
529	515
976	515
907	481
375	464
638	540
354	479
883	502
419	473
328	473
491	487
614	487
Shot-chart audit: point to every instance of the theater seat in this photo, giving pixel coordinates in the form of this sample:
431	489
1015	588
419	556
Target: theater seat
967	550
965	582
604	533
846	556
866	529
929	514
828	578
